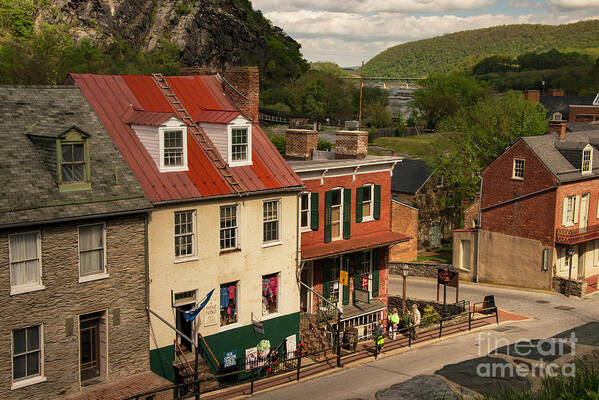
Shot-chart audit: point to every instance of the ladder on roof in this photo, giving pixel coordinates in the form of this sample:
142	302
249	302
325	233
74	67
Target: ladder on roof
198	134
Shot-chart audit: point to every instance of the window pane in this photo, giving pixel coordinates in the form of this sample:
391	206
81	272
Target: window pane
79	172
228	303
304	218
67	173
78	152
67	152
18	367
33	366
19	341
33	338
336	197
366	192
305	201
366	209
269	294
91	237
92	262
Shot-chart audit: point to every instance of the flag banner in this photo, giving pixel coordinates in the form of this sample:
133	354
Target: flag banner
193	313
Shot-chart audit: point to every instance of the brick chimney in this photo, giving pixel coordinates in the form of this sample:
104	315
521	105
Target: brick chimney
351	144
558	127
533	95
555	92
245	92
197	70
300	144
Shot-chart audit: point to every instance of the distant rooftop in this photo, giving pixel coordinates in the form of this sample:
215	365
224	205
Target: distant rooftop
326	159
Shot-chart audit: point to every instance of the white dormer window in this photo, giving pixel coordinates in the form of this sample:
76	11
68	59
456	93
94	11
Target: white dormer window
239	142
587	160
173	148
172	141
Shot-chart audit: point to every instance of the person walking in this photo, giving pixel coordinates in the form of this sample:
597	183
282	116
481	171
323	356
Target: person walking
379	338
393	322
414	320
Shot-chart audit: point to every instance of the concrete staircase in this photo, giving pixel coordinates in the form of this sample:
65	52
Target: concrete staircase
312	334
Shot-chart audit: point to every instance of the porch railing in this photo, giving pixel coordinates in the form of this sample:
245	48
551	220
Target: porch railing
576	235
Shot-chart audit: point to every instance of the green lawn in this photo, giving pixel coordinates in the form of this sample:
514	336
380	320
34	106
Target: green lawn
416	146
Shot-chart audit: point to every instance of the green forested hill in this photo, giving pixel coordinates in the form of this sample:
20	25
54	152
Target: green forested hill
462	50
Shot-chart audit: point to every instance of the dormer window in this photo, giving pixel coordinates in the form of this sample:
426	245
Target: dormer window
587	160
240	143
73	158
173	149
72	167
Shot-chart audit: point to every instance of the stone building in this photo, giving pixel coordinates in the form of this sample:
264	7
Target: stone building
72	255
224	220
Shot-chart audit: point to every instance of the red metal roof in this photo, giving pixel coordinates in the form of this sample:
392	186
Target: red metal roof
148	118
112	96
215	117
355	243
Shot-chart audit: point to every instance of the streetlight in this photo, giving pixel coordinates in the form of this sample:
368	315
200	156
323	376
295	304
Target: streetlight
405	271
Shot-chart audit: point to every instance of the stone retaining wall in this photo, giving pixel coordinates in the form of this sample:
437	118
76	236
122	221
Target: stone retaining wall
570	287
416	269
395	301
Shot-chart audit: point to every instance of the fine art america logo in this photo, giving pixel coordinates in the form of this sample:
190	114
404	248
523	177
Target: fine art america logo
540	357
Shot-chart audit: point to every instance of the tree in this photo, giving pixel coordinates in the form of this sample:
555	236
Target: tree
473	137
441	95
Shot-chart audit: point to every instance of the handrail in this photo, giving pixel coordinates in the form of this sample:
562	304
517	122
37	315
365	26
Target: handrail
209	350
299	280
179	354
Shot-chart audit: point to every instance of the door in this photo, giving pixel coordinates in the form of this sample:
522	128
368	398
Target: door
184	326
584	212
305	294
89	335
581	258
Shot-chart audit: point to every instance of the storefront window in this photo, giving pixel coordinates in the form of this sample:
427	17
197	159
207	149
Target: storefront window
335	286
364	270
270	298
228	303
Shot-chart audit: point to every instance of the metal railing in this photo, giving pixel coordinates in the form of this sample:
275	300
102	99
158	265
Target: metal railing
207	354
576	235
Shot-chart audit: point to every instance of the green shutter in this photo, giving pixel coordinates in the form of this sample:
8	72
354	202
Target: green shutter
359	198
314	211
377	201
328	200
326	278
376	260
357	264
346	213
345	267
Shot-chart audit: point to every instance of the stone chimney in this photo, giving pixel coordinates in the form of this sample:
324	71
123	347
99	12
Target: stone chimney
533	95
555	92
197	70
351	144
300	144
558	127
245	90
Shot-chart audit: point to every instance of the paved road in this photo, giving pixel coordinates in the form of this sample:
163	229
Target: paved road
362	382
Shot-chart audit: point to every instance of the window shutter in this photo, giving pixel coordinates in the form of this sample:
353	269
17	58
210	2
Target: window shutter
326	278
328	200
376	259
576	206
565	212
314	211
346	213
345	267
377	201
359	199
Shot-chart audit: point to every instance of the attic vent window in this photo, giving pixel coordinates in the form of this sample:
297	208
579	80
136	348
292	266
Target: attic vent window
518	169
587	160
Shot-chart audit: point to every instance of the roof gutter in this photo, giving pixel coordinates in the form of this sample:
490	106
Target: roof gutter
355	250
229	195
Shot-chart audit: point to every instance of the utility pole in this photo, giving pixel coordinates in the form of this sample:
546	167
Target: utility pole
361	86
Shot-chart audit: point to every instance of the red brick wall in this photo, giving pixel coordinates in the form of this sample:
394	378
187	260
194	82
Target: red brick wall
590	186
404	220
590	114
245	79
530	217
360	228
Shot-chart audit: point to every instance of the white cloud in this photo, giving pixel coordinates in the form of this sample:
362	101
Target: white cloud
520	4
574	4
371	6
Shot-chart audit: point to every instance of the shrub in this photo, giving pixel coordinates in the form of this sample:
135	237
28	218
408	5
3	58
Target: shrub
279	142
324	145
429	316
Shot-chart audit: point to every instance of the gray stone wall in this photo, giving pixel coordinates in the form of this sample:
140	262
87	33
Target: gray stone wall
570	287
416	269
59	305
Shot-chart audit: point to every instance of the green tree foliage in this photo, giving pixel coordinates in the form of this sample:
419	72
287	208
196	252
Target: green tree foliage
462	50
475	136
440	96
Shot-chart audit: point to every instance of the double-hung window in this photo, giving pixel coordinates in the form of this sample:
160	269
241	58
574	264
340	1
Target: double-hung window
367	200
335	291
518	169
72	166
25	262
570	211
173	149
305	211
587	159
336	213
271	221
26	353
185	233
239	144
229	237
92	251
364	271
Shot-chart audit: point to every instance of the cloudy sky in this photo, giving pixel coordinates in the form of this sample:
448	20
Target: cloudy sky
349	31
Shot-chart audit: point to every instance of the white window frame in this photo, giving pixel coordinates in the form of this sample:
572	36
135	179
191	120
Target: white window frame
18	289
194	238
340	189
588	150
369	260
237	242
100	275
161	132
570	210
308	210
464	256
31	380
370	217
335	277
517	172
239	163
276	241
278	311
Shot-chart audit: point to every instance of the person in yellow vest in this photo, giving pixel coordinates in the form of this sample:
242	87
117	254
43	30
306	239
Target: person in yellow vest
379	336
393	322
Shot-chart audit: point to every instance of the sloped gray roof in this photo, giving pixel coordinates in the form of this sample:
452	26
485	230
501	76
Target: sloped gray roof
562	103
409	176
558	156
28	189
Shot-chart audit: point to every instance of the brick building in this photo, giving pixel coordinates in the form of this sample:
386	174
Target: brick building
345	227
404	220
539	215
72	256
562	107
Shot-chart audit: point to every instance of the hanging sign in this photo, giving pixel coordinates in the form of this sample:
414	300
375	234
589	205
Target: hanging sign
344	278
447	277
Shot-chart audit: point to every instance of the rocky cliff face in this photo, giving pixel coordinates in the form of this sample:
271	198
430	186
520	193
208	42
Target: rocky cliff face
208	32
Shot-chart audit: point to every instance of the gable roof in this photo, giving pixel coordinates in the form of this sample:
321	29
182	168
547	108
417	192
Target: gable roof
31	118
134	116
563	158
562	104
111	95
410	175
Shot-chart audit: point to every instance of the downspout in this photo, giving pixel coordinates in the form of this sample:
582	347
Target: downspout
478	226
298	267
147	262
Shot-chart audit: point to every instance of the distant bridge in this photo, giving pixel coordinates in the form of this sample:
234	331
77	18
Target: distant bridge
388	82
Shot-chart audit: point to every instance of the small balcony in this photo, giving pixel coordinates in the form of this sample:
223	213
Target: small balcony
576	235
